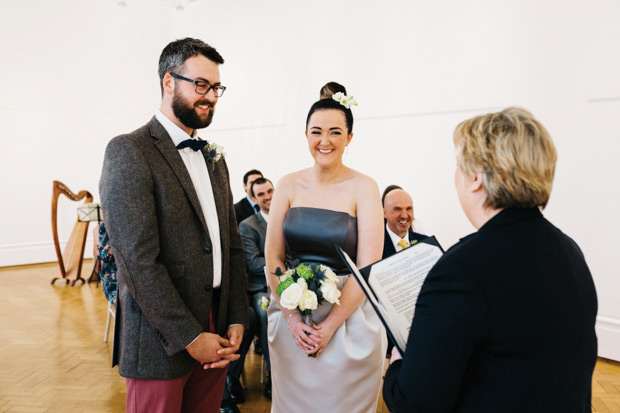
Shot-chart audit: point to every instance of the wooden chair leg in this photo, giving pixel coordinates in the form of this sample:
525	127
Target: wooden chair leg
263	370
244	379
107	324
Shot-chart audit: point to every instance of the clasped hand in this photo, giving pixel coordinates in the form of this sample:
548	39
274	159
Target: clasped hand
311	339
213	351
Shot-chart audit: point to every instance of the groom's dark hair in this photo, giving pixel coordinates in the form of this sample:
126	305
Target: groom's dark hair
176	53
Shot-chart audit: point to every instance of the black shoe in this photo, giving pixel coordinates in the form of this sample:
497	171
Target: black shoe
234	390
258	348
229	407
267	391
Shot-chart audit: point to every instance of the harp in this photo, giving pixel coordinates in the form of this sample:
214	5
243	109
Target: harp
70	261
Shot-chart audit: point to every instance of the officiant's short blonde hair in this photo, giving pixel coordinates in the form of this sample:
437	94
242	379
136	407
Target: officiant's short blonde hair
515	154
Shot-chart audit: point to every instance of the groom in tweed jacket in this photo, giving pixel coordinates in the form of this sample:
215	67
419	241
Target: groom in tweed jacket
182	303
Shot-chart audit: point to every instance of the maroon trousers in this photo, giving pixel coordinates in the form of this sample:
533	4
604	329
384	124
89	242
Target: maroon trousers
198	391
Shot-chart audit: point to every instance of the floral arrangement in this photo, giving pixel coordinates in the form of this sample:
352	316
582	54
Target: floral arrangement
305	287
214	152
344	100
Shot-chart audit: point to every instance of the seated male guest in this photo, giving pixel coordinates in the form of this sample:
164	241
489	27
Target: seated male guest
247	207
253	231
505	319
398	213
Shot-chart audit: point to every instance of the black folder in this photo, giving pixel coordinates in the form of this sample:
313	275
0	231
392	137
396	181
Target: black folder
362	276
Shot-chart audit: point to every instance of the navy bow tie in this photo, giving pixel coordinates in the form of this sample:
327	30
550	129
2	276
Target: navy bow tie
192	143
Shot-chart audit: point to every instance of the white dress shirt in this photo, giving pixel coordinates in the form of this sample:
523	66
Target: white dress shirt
395	238
197	167
265	216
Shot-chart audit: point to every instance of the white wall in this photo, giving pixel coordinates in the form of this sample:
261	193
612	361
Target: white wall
78	72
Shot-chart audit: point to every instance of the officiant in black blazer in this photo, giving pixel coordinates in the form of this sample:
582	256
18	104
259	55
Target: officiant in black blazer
398	214
505	320
247	207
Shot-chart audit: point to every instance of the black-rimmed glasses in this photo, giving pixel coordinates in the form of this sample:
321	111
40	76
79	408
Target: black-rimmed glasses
202	88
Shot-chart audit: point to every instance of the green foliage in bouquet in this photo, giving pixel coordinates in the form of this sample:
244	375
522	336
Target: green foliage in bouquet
284	285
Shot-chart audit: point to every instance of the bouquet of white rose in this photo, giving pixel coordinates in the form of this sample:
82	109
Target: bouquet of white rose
305	287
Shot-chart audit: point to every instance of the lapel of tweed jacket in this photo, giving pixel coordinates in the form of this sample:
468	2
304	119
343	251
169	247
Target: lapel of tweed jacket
220	191
171	154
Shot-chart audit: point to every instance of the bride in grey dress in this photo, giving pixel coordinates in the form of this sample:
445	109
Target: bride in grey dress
312	210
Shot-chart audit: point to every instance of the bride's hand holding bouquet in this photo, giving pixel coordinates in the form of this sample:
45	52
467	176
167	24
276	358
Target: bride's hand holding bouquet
302	289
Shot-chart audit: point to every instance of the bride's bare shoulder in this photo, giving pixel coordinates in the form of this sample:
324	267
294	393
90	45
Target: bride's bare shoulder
290	181
364	182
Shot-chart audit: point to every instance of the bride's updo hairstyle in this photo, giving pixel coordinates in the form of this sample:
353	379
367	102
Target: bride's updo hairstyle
326	102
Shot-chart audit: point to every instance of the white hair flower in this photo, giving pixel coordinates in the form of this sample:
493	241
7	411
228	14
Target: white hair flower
344	100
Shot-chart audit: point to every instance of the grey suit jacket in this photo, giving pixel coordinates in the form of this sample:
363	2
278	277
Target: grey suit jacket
163	253
253	231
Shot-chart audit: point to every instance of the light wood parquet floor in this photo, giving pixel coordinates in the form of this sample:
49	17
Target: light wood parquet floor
53	358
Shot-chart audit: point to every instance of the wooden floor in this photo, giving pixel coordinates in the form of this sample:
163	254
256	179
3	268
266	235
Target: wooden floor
53	358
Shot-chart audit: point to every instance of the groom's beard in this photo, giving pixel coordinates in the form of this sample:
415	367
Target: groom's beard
186	113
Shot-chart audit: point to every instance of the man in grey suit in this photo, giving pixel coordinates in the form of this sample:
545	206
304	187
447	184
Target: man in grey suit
182	303
253	232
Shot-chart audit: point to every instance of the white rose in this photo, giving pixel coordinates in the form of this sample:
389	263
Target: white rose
291	297
302	283
329	274
309	301
330	292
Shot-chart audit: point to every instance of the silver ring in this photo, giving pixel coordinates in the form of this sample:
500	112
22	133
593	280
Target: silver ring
297	338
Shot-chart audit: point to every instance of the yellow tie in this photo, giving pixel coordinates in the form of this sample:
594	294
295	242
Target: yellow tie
403	244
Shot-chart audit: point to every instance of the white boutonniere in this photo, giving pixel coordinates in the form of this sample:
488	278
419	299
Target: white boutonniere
264	302
344	100
214	152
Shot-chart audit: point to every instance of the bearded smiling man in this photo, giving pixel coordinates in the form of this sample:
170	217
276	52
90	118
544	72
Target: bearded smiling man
182	303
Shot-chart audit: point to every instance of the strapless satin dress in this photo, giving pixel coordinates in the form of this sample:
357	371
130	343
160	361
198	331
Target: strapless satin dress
346	377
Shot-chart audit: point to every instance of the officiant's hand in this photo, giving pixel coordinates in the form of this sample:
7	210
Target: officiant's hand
395	355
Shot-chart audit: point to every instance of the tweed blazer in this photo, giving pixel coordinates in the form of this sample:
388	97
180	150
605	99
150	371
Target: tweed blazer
253	232
243	210
163	253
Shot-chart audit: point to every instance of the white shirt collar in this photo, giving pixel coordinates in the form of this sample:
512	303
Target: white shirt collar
177	134
265	216
395	238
